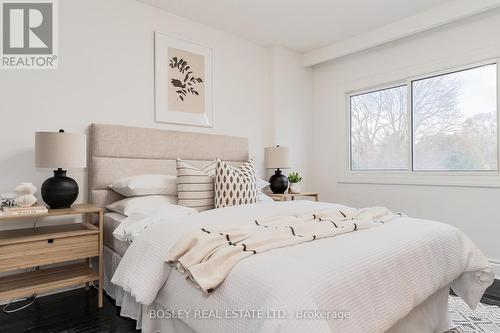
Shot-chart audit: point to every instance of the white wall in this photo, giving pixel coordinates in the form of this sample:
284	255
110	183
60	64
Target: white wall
476	211
105	75
291	106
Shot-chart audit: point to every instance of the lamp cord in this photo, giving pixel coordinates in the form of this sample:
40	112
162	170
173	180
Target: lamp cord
31	300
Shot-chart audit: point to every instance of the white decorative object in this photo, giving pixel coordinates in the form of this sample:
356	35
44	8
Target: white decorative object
294	188
25	188
25	197
183	82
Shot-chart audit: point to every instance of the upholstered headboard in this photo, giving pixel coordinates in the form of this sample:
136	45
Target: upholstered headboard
121	151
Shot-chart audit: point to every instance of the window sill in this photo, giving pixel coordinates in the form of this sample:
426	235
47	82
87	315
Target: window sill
444	180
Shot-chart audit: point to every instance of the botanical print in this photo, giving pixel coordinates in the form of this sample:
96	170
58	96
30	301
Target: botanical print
183	81
186	86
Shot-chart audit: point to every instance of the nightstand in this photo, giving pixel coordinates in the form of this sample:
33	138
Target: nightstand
291	196
34	247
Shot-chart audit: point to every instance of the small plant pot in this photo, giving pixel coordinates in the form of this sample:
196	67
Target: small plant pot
294	188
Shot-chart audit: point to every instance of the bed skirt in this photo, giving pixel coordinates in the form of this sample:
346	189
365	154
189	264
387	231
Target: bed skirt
429	317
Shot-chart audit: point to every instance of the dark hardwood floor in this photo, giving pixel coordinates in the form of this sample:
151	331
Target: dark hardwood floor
76	312
492	294
73	311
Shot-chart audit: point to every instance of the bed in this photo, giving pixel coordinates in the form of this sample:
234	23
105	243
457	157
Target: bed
395	279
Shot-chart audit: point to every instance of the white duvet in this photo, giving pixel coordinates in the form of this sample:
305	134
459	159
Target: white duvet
359	282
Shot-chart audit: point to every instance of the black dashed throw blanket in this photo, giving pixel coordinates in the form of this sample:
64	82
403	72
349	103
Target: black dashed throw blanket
207	255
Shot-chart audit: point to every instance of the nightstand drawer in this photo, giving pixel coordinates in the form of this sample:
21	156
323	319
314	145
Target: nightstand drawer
48	251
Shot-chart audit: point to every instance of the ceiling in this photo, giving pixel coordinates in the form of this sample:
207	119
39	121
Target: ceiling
301	25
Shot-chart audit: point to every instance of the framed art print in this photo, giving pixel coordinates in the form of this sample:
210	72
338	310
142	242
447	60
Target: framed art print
183	82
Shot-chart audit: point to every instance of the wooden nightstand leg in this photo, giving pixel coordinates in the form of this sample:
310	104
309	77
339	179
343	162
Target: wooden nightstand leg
101	259
88	219
316	197
87	263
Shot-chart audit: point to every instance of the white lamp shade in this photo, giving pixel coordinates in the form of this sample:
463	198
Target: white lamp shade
277	157
60	150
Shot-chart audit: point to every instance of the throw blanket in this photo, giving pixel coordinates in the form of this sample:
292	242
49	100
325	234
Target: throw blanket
207	255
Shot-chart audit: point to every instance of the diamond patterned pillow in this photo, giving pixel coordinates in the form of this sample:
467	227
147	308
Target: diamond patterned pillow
235	186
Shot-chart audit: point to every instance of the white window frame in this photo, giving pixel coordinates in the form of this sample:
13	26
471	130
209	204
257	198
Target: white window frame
474	178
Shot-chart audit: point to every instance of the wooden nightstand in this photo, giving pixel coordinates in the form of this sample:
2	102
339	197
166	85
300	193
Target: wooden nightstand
33	247
286	196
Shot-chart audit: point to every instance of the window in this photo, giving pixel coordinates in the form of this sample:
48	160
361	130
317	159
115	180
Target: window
455	121
379	130
449	124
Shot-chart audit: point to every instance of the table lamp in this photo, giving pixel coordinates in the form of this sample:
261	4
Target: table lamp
277	158
60	151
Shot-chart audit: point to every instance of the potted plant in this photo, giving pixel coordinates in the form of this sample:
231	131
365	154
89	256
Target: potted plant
294	178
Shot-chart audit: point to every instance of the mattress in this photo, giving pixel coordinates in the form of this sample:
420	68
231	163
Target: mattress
111	222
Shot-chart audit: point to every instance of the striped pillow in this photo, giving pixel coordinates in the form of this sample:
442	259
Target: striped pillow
195	187
235	186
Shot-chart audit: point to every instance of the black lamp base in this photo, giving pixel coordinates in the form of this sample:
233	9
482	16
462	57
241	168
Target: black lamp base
278	182
59	191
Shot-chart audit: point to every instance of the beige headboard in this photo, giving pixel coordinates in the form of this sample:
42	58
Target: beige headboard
121	151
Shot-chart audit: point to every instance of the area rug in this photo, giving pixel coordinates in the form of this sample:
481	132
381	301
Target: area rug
485	319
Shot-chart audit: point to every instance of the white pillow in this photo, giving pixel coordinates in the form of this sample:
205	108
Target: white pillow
265	198
136	223
261	184
142	205
146	185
